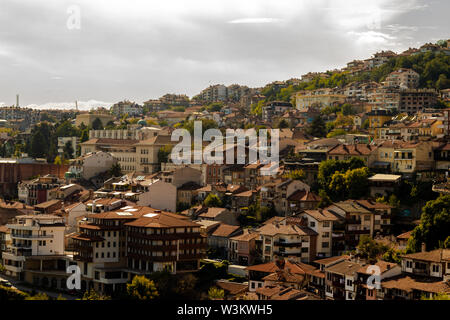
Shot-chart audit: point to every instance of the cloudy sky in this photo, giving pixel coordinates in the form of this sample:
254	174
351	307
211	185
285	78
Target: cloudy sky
141	49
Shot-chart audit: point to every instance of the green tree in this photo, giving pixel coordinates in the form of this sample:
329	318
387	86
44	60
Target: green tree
68	150
370	249
93	295
97	124
439	296
38	145
357	183
116	170
164	153
392	255
434	226
317	127
215	293
39	296
212	200
325	200
142	288
295	175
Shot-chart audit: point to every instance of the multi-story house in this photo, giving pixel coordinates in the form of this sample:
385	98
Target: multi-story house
415	100
377	118
33	237
288	239
423	274
403	78
321	221
434	264
275	109
126	108
340	280
365	152
91	165
277	193
36	191
243	247
355	220
387	270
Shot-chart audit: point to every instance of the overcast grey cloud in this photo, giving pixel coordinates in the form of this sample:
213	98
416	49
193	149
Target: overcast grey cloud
141	49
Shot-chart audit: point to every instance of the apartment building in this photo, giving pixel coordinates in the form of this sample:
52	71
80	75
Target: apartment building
288	239
275	109
214	93
36	191
132	155
164	195
305	100
387	270
111	247
278	191
415	100
243	247
129	108
72	141
90	165
340	280
321	221
365	152
33	237
355	220
403	78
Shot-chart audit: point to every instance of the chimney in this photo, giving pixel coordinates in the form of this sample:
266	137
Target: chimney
424	247
17	100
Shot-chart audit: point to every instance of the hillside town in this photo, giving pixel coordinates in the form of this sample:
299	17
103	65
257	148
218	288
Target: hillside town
357	210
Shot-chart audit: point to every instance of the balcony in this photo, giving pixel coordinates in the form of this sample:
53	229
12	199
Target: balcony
287	244
22	236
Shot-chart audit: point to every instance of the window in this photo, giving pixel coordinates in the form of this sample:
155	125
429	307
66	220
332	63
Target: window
326	235
325	244
326	224
349	282
312	224
436	268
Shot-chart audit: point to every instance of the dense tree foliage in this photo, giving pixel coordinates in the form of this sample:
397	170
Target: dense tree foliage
142	288
434	226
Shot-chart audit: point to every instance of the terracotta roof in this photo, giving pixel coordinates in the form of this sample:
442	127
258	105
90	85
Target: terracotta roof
225	230
284	276
370	204
383	265
246	236
280	293
3	229
286	229
47	204
353	149
161	220
404	236
232	288
212	212
85	237
110	141
321	215
304	195
437	255
294	267
326	261
408	284
344	268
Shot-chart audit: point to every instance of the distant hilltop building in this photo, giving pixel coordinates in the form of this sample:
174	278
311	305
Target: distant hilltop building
89	118
126	107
